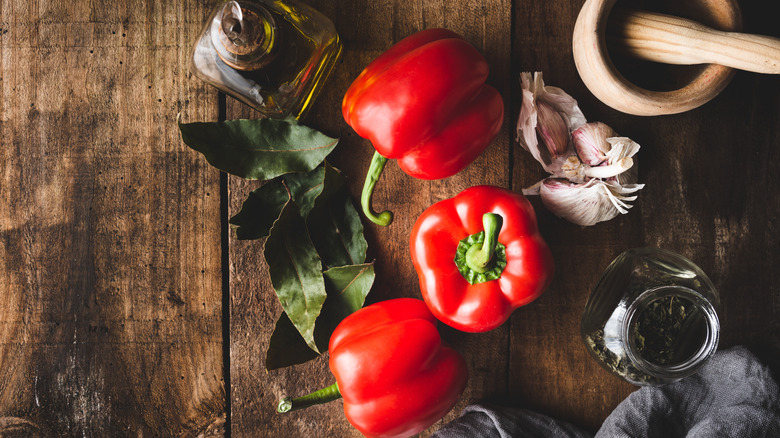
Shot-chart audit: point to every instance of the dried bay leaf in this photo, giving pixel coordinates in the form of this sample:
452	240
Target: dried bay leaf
305	188
260	210
287	347
264	204
258	148
347	288
314	247
334	223
296	271
337	234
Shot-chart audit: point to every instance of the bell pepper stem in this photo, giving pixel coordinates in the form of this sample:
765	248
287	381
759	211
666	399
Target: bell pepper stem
374	172
323	395
480	258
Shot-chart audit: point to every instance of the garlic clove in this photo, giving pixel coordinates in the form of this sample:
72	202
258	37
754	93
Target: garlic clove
526	122
552	129
586	204
562	102
590	142
533	92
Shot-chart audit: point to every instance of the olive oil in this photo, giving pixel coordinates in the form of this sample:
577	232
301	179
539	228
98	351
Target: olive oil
271	55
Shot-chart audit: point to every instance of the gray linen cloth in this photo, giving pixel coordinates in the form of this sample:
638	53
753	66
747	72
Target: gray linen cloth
734	395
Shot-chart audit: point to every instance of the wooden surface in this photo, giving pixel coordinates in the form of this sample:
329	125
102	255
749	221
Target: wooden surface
127	309
110	260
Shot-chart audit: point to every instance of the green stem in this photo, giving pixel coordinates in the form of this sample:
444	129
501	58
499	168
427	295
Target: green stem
480	258
324	395
374	172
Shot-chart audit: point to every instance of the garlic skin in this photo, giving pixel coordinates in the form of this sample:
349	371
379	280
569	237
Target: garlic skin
593	175
576	171
587	204
623	147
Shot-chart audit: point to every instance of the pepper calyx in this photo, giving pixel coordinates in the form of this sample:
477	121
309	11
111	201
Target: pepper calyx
480	257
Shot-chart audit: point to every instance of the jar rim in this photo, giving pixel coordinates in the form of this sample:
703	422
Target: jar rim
688	366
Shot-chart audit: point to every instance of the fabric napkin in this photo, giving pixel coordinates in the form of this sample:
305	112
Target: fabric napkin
734	395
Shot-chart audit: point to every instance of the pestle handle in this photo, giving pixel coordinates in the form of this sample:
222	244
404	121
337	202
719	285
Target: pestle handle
673	40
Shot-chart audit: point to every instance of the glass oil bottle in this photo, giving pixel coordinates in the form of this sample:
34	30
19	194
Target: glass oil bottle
271	55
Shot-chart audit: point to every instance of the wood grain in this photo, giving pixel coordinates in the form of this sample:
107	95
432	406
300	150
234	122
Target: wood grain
673	40
110	321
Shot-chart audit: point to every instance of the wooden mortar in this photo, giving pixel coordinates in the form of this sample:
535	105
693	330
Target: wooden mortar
671	40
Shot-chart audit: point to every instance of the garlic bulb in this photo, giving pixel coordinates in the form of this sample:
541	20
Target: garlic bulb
592	169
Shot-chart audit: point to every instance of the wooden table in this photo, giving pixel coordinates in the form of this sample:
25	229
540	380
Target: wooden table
128	308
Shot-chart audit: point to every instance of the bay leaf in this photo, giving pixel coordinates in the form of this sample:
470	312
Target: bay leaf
334	223
347	288
258	148
321	194
306	187
287	347
264	204
260	210
295	269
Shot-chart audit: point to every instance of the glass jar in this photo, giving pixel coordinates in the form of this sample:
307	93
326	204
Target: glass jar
651	318
272	55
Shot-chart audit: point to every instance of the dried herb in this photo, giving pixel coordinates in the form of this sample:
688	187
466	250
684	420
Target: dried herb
667	332
347	287
664	333
617	363
314	247
258	148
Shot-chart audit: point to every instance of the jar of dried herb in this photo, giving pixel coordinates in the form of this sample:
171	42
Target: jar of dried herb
651	318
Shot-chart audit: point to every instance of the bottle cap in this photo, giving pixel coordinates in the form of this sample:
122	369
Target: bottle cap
244	35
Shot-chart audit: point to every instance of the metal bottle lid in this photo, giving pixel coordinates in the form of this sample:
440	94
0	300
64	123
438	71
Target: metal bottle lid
244	35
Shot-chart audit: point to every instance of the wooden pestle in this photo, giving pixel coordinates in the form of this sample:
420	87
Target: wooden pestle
673	40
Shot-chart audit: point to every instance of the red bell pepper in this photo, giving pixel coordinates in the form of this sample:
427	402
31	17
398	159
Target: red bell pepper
425	103
392	370
479	256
